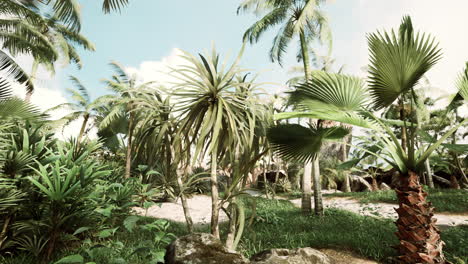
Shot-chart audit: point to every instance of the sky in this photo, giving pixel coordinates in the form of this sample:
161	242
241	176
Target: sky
146	38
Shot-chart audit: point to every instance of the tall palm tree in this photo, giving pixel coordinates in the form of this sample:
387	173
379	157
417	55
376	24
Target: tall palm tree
68	11
298	18
82	107
24	30
398	62
122	103
64	42
213	114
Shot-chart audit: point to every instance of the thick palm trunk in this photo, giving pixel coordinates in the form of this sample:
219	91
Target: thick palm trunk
214	195
306	203
318	202
419	237
128	162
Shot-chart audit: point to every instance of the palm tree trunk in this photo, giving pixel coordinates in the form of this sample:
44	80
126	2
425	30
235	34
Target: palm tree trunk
318	202
306	203
344	152
214	195
183	198
374	185
306	178
82	130
404	137
185	206
419	237
128	162
32	76
429	179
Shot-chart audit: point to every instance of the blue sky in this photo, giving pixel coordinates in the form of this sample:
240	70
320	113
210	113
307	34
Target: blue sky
147	32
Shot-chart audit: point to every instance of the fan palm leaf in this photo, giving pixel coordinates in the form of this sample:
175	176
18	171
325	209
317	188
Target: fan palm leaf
298	143
397	63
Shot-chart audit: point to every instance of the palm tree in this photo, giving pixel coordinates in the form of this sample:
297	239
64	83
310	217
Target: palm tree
82	107
66	10
64	41
304	143
299	18
398	62
213	114
26	31
122	103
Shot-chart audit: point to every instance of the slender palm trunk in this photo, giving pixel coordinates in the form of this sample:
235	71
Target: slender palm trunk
82	130
32	76
429	179
318	202
306	203
306	178
453	179
419	237
180	184
185	206
128	162
214	195
404	134
344	153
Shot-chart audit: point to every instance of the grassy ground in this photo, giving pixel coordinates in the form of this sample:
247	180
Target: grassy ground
281	225
446	200
278	224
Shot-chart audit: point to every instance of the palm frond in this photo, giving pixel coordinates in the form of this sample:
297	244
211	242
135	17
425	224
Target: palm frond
113	5
298	143
271	19
398	63
68	11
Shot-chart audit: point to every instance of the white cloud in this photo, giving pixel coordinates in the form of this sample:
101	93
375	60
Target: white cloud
158	71
47	94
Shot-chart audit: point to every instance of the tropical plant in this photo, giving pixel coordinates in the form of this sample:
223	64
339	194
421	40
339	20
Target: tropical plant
83	107
213	114
122	104
398	61
64	41
299	18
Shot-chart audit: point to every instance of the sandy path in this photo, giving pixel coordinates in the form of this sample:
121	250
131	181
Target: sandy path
200	210
384	210
199	205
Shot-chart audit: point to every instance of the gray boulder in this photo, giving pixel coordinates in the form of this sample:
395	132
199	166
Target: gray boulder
359	184
290	256
383	186
201	248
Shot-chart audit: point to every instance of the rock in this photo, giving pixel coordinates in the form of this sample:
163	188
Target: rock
384	187
359	184
290	256
201	248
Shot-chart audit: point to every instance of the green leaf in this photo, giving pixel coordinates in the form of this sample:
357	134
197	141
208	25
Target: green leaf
107	232
130	222
295	142
81	230
71	259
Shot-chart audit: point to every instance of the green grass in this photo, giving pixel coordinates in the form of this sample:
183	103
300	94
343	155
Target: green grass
279	224
444	200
